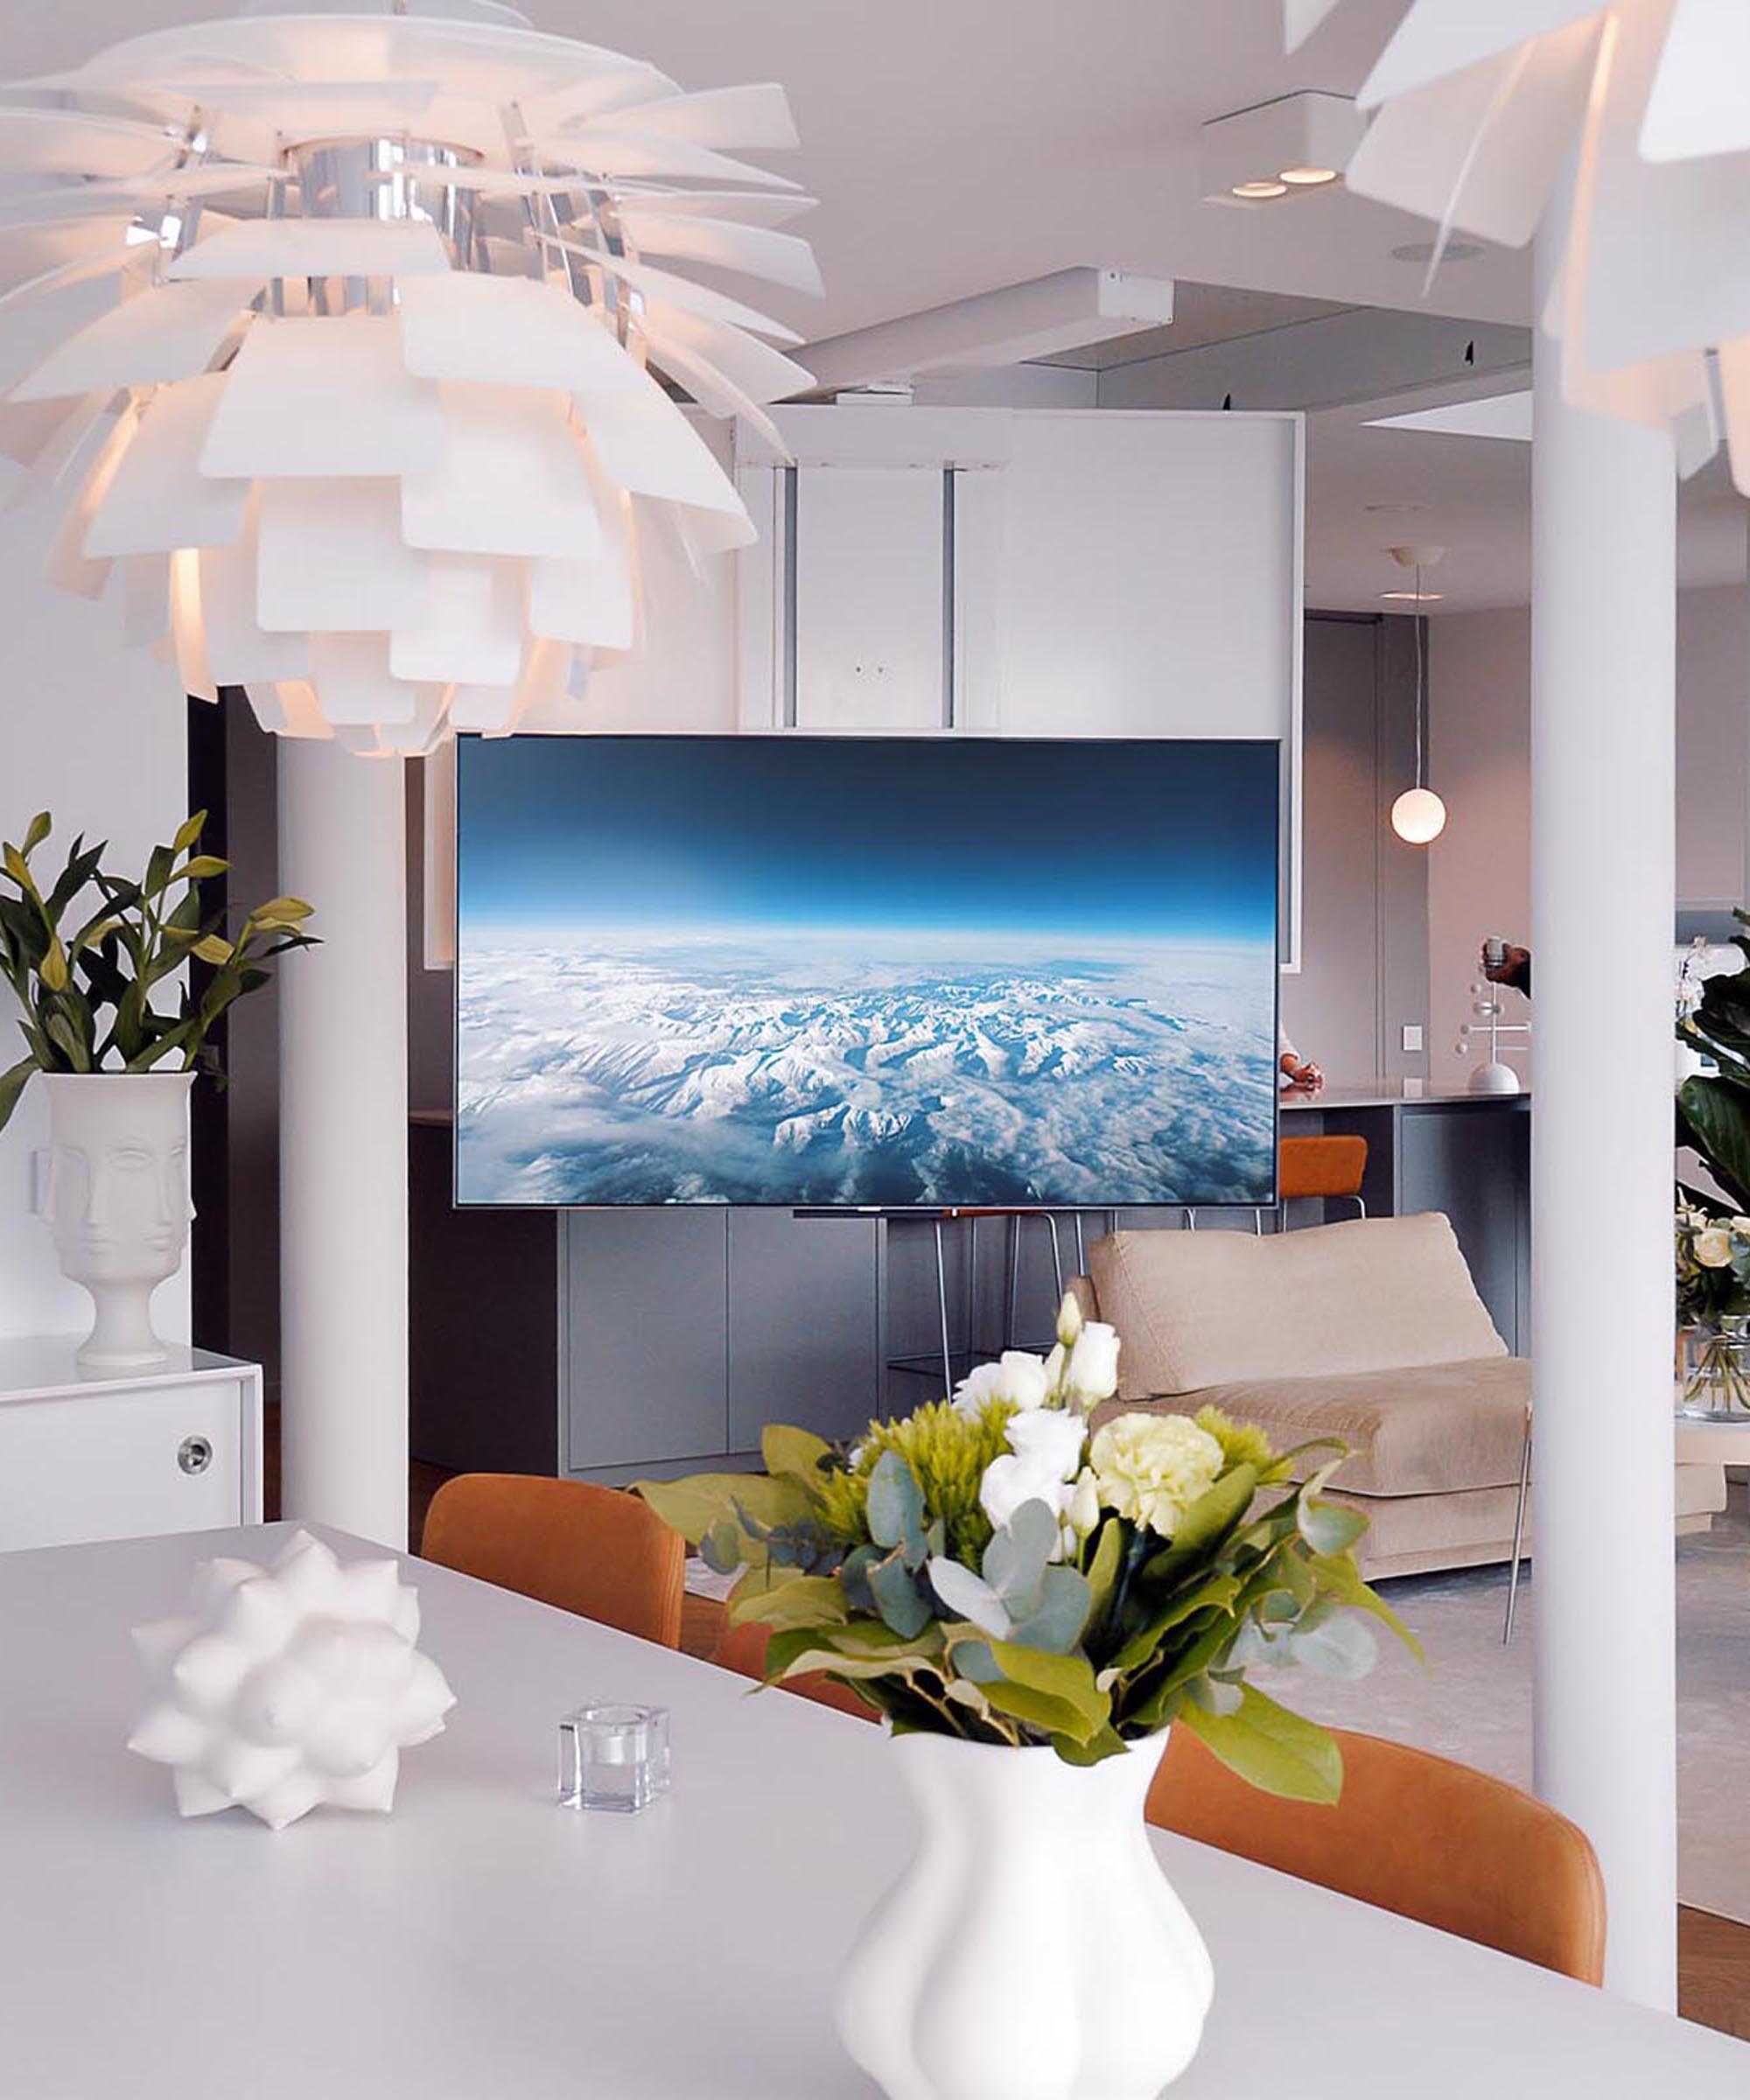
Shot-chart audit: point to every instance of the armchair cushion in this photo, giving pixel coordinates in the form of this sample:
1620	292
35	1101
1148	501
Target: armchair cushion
1203	1309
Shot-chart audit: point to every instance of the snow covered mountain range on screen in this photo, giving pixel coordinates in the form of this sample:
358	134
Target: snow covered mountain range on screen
811	1069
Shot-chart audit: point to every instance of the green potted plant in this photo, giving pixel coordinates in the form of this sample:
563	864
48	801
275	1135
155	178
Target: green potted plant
1032	1599
90	956
1712	1228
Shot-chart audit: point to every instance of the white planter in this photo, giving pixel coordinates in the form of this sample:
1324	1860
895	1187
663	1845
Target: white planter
1033	1950
118	1200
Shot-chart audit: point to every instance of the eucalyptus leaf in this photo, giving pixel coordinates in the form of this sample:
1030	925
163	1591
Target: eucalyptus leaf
899	1597
896	1502
1340	1645
1329	1527
965	1595
1055	1623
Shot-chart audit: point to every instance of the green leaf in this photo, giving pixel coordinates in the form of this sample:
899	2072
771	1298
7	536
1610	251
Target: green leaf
1107	1742
702	1501
1328	1527
784	1600
213	949
188	831
1015	1560
896	1502
1717	1117
1210	1518
1055	1624
1338	1644
793	1451
52	968
1039	1710
1102	1572
37	830
202	866
1270	1748
12	1084
1339	1576
902	1604
13	861
1218	1594
282	911
1068	1679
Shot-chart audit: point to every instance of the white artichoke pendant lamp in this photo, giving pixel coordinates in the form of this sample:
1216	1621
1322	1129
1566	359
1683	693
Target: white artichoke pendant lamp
1482	112
1418	815
341	339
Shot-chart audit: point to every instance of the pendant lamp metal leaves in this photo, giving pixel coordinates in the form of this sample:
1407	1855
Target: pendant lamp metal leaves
334	337
1483	104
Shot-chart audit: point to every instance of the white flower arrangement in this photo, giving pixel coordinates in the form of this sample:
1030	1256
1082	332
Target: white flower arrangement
994	1566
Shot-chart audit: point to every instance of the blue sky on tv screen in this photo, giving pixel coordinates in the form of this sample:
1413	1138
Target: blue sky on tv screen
1125	839
843	971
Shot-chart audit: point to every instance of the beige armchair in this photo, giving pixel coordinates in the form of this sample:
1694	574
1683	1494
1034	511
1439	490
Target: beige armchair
1371	1332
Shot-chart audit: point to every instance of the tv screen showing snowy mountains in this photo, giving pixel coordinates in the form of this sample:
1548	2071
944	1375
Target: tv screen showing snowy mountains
829	972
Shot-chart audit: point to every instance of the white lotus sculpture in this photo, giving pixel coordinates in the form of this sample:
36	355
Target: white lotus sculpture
289	1686
1483	109
341	339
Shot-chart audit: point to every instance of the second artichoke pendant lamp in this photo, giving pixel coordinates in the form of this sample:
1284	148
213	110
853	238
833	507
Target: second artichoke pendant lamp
357	325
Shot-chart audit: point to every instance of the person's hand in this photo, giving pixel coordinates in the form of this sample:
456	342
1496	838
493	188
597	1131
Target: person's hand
1302	1074
1511	969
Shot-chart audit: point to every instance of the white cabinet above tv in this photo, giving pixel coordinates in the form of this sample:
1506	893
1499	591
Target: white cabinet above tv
1016	573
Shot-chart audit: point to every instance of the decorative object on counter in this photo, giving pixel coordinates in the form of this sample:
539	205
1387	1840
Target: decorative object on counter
1713	1313
1418	815
84	967
1494	1075
331	277
1032	1599
613	1757
289	1686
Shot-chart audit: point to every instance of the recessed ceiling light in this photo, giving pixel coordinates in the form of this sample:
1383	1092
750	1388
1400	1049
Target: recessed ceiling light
1423	251
1307	178
1260	189
1413	598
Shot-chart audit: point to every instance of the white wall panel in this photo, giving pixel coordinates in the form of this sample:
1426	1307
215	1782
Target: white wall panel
94	732
869	599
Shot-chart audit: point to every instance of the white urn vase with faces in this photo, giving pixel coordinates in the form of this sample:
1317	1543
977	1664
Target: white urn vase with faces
117	1201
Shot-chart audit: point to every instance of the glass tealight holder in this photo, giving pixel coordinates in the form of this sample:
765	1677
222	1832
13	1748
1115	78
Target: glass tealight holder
613	1757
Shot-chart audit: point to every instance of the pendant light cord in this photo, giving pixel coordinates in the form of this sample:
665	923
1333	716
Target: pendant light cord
1421	680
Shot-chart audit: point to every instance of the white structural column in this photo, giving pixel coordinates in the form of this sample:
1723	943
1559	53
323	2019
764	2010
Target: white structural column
1603	839
343	1144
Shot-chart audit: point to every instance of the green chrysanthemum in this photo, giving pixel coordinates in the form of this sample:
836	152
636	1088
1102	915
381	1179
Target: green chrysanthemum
947	1452
1242	1443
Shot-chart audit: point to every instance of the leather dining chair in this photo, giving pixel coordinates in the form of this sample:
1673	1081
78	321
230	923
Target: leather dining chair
743	1650
1333	1167
1415	1834
598	1551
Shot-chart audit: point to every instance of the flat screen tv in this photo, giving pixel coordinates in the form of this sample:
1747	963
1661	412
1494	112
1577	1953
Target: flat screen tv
848	972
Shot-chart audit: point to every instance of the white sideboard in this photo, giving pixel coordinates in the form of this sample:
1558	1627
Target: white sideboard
87	1455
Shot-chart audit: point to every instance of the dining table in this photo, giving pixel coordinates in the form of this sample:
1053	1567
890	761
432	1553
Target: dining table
484	1942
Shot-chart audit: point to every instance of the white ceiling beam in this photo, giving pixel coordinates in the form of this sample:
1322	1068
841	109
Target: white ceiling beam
1066	310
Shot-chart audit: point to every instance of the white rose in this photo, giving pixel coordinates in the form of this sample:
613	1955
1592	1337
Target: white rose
1151	1468
1084	1503
1044	1457
1020	1379
1713	1248
1070	1319
1092	1372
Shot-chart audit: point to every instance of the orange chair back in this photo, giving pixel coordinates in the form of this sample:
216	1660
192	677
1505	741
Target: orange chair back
598	1551
1415	1834
1320	1166
743	1650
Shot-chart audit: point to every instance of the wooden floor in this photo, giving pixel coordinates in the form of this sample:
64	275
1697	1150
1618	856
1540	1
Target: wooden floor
1713	1953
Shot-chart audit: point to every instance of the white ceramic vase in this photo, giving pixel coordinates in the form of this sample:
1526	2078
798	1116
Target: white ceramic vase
117	1201
1033	1950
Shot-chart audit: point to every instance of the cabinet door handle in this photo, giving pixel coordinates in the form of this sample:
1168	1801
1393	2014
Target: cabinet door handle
195	1454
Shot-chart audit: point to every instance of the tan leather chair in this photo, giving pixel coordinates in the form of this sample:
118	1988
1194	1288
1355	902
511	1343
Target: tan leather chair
598	1551
1415	1834
1334	1167
743	1650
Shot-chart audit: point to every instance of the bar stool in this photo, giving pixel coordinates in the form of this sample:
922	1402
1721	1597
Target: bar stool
1332	1168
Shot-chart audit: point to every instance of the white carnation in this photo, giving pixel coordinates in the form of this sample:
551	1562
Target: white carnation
1151	1468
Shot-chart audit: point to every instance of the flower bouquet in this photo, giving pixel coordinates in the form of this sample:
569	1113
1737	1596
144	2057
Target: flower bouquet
1022	1594
1713	1308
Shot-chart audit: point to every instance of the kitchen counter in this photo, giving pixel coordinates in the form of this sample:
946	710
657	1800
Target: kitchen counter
1295	1101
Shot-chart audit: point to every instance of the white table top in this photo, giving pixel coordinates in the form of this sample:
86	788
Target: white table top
482	1944
45	1367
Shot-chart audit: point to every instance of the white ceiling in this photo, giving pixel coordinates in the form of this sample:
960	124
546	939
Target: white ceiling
959	145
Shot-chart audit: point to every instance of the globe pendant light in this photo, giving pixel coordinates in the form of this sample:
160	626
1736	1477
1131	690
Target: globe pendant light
358	324
1418	815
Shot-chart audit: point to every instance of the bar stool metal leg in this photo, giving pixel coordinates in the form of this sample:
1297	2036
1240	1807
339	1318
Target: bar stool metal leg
941	1309
1080	1247
1056	1263
1518	1534
1011	1295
